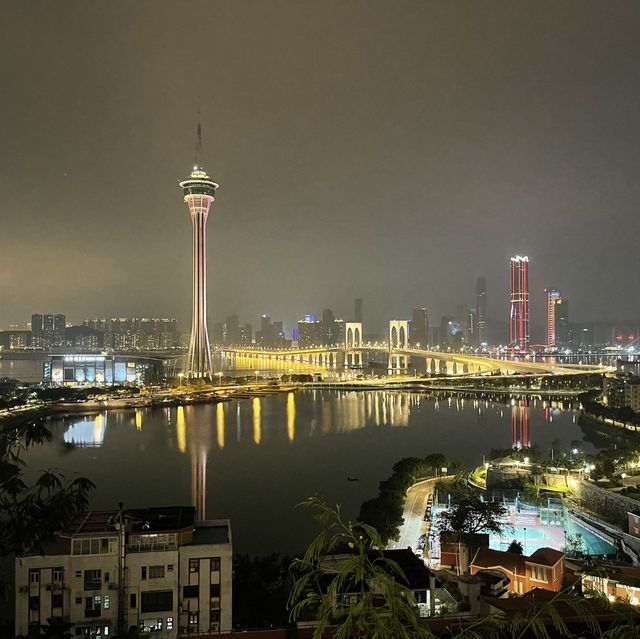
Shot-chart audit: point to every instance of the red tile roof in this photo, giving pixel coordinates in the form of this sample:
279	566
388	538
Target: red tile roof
546	556
488	558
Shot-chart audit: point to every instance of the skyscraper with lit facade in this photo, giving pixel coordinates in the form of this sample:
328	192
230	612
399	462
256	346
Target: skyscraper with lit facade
519	304
553	297
199	190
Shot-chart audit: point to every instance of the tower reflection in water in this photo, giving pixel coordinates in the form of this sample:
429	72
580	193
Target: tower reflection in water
520	423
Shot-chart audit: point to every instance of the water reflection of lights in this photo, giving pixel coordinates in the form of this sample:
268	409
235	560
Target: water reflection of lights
291	416
257	426
88	432
220	425
181	430
138	419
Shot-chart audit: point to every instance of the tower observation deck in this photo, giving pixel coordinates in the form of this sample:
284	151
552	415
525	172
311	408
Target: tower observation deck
199	190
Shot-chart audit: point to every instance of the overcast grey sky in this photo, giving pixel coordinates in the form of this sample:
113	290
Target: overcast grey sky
388	150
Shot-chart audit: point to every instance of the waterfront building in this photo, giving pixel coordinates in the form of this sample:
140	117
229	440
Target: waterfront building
310	332
564	336
519	335
419	328
135	333
84	338
622	391
73	369
553	296
157	569
47	330
481	310
199	190
15	340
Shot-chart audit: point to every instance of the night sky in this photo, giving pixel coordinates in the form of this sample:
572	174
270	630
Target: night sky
392	151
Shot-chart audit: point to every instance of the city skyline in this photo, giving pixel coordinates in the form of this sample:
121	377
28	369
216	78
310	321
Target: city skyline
403	168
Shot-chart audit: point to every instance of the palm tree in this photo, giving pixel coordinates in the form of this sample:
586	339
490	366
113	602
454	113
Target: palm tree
379	606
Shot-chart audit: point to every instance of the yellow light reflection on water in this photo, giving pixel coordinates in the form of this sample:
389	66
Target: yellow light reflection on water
291	416
138	419
181	430
98	428
257	428
220	424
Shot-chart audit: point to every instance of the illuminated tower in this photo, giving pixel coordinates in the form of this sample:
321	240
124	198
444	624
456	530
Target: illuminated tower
199	190
553	297
519	304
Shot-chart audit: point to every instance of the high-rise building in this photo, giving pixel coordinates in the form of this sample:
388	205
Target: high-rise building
357	317
563	332
553	296
47	330
199	190
519	304
419	328
481	312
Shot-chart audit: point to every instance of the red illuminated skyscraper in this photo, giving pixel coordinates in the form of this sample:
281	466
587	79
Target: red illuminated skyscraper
519	304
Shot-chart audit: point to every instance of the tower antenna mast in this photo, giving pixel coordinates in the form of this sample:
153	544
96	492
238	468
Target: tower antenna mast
199	141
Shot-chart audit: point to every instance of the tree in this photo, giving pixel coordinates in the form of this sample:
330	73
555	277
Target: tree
574	546
57	628
470	515
381	609
515	547
31	515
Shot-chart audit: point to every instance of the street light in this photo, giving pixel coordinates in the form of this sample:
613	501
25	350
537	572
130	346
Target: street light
180	376
256	374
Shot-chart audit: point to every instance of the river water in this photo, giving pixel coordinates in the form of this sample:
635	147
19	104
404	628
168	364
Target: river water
252	460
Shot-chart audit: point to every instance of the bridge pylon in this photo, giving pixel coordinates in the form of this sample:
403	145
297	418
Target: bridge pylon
353	345
398	341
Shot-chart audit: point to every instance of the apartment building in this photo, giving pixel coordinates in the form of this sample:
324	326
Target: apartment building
155	568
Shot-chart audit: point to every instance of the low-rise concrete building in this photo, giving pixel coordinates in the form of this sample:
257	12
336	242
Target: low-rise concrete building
155	568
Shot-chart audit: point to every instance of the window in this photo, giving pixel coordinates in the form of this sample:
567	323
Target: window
78	600
169	623
143	572
34	576
56	600
170	568
106	577
215	564
92	579
34	603
95	546
193	619
215	616
156	572
106	602
78	573
156	601
194	565
215	590
190	591
539	573
56	575
132	600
